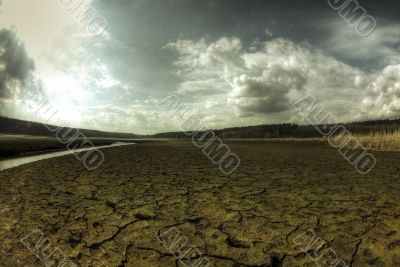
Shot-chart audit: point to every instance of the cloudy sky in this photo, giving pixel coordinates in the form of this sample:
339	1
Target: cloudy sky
233	62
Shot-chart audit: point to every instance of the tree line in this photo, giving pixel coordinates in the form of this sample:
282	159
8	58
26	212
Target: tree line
289	130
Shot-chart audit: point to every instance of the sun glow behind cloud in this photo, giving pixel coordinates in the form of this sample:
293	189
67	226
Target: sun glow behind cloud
39	25
236	66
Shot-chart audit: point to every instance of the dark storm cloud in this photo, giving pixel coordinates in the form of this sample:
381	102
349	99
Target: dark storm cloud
15	64
237	62
192	18
270	34
145	26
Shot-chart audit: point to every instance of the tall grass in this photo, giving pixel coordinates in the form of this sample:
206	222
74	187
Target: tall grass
382	141
379	141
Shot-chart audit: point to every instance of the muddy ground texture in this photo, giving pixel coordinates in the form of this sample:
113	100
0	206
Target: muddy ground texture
113	215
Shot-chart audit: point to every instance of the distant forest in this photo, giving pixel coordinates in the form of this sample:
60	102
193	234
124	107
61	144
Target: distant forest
14	126
287	130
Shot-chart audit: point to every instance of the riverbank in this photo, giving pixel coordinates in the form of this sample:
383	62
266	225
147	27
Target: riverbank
14	146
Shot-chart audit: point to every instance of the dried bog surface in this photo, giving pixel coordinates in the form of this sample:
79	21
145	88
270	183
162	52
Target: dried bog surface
256	216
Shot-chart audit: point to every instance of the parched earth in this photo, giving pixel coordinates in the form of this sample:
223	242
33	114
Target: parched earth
148	203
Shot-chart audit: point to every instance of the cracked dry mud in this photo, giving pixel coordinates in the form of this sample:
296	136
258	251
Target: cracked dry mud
111	216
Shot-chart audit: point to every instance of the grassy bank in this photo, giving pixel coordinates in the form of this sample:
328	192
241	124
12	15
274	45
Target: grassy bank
380	141
14	146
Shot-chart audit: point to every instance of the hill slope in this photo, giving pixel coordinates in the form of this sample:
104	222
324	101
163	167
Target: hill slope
14	126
